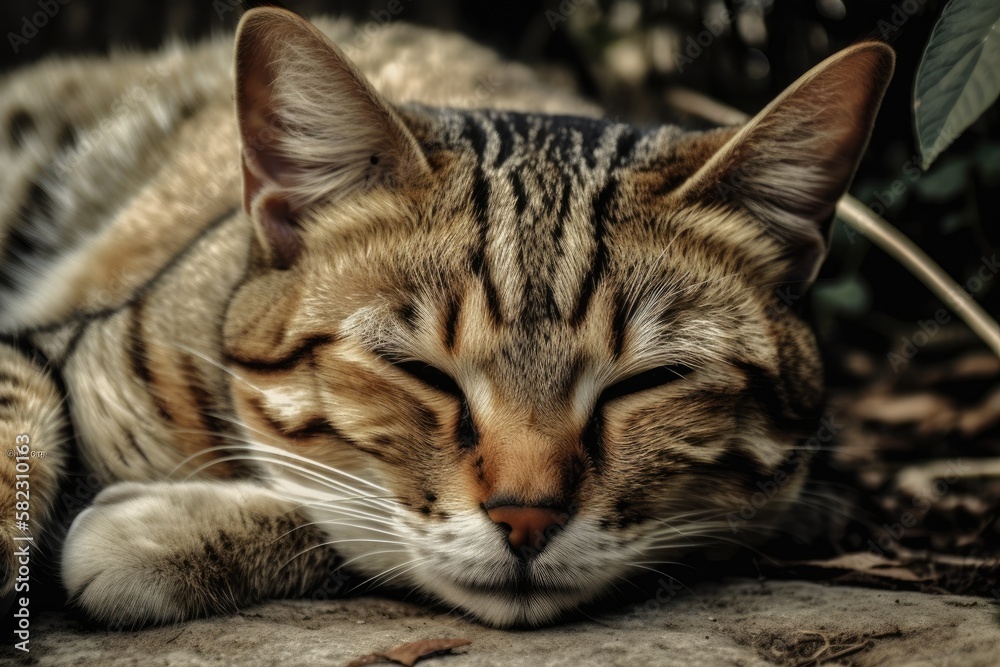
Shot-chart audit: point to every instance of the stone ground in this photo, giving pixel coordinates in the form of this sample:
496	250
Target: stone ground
740	622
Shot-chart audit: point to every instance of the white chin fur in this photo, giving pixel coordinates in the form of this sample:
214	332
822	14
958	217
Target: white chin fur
504	610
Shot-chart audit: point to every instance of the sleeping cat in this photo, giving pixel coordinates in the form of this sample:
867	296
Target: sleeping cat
504	355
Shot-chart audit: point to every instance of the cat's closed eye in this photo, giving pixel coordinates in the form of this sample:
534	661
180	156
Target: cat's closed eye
467	435
430	376
644	381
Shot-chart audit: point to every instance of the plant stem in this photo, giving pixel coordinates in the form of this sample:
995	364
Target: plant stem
906	252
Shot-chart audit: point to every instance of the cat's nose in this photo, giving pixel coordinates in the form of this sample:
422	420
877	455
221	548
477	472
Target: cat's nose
529	528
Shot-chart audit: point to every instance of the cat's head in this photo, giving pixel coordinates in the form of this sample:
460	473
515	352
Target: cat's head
511	359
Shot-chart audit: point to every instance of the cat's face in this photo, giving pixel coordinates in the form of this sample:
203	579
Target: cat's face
512	359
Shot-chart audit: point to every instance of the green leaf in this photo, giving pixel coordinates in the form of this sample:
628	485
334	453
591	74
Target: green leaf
959	76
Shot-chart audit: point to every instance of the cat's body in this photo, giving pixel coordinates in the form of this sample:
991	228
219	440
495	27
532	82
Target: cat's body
414	330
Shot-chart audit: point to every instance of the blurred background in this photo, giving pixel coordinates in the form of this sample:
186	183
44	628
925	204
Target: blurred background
912	385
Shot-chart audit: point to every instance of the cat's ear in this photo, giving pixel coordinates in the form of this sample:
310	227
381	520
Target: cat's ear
312	128
791	163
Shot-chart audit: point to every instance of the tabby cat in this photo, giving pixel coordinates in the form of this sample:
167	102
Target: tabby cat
418	308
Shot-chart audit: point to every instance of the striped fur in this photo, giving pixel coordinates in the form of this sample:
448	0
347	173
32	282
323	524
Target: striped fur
418	309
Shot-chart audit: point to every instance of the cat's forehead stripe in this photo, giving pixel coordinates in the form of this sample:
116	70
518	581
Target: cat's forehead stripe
555	174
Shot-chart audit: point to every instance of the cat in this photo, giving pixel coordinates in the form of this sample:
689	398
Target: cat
427	313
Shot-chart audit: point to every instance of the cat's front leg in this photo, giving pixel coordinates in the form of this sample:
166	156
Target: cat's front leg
32	443
163	552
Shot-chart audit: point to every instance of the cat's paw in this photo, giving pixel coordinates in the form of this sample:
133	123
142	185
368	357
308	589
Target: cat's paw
148	553
117	556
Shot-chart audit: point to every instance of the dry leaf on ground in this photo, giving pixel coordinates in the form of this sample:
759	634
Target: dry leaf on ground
867	563
408	654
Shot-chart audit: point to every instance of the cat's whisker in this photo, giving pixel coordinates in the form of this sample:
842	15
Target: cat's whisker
357	514
629	581
223	367
341	523
355	503
595	620
271	449
346	505
328	469
709	532
656	540
662	562
413	566
375	580
311	474
674	547
359	498
716	537
707	520
331	543
361	539
316	477
828	507
691	517
697	528
335	522
372	553
666	542
671	578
